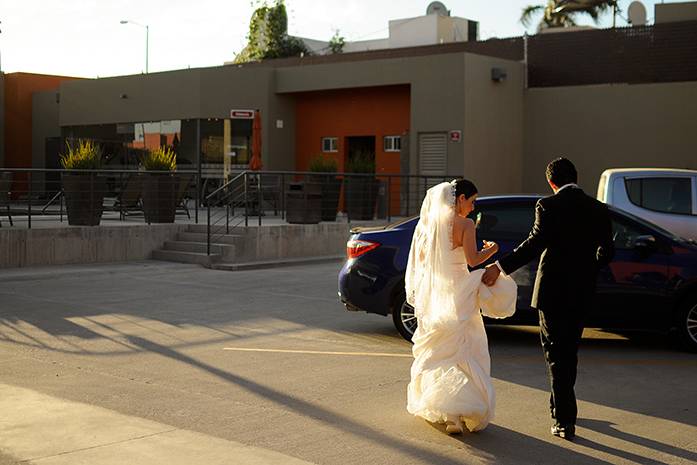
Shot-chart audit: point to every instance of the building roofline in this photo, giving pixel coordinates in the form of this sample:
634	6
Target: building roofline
508	48
24	73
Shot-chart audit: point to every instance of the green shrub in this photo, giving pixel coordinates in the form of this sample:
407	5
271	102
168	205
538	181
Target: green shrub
160	159
85	155
362	162
323	164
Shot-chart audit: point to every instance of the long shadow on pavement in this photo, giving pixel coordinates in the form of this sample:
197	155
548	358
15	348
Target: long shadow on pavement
607	428
350	426
514	448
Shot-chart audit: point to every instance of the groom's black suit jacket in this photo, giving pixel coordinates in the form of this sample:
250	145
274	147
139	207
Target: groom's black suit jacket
572	235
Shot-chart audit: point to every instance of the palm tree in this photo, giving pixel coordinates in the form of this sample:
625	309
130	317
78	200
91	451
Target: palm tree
563	13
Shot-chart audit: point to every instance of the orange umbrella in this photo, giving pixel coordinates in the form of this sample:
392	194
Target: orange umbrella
255	162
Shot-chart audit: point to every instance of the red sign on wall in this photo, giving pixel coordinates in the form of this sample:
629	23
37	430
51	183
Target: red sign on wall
242	114
455	136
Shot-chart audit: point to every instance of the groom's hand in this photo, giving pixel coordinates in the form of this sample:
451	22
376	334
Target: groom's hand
491	274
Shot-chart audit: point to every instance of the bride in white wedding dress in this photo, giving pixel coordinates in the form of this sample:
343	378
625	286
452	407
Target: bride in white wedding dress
450	376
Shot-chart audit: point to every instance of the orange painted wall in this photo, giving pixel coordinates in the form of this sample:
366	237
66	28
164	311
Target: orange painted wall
368	111
19	88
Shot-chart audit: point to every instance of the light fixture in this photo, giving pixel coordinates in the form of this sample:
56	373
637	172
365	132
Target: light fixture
498	74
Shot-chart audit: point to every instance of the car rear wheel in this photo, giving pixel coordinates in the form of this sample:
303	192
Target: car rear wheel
404	318
687	323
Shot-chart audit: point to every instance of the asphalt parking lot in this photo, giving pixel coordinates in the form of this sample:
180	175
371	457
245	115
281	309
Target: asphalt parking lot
153	362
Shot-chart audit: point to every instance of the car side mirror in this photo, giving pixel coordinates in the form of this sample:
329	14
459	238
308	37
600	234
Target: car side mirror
645	243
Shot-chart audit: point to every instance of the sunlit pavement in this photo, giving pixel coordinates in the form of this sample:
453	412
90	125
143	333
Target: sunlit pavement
155	362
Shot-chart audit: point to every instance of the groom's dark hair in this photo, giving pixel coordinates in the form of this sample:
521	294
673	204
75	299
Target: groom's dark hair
561	171
465	186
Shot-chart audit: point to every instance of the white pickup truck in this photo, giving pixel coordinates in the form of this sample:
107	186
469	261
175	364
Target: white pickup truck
666	197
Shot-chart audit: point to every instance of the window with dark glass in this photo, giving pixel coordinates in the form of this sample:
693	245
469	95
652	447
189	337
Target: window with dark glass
329	144
625	232
665	195
506	222
392	143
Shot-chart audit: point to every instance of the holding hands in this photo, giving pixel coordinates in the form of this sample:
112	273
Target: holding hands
491	274
492	271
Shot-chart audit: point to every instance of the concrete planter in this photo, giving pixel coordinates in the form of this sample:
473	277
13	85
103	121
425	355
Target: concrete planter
160	197
331	189
84	198
361	196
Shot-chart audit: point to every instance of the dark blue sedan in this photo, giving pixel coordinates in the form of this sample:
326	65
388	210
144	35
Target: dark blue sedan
650	284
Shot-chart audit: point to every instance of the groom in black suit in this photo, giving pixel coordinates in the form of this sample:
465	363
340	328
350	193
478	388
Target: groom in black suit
572	235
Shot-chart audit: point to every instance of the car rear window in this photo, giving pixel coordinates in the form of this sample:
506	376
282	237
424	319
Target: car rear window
665	195
506	222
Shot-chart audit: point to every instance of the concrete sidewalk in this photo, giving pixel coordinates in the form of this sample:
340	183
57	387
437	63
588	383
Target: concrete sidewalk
41	429
156	362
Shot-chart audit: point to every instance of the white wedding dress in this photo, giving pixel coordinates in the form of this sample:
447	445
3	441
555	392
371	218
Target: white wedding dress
450	376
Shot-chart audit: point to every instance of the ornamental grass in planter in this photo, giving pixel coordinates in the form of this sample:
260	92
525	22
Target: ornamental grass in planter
361	191
84	192
331	185
160	184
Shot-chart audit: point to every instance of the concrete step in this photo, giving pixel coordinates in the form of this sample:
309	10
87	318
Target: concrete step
203	237
185	257
203	228
261	264
226	251
187	246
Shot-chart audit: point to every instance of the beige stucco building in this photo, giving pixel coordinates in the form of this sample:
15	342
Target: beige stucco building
494	111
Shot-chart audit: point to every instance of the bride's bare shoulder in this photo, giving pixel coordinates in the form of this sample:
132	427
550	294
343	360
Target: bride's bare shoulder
463	224
466	222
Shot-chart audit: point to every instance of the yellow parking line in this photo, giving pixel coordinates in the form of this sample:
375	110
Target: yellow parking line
318	352
500	358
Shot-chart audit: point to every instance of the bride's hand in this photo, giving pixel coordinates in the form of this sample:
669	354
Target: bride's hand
489	245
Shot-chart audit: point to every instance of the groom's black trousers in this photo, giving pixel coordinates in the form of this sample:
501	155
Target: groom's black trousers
560	333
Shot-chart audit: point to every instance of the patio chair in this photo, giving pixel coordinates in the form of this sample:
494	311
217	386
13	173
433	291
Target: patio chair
5	187
270	192
129	199
182	191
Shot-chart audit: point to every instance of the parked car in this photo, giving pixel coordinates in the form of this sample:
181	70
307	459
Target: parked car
666	197
650	284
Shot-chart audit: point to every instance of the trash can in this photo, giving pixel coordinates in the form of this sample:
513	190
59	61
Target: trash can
382	200
303	203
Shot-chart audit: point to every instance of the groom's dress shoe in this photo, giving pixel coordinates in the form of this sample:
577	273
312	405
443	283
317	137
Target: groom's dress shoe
564	431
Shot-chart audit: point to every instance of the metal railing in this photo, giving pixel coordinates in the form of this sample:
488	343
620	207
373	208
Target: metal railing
88	197
305	197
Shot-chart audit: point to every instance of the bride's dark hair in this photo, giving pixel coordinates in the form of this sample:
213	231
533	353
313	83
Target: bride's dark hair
465	186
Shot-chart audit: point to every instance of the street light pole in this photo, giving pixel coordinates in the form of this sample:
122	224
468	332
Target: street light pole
147	39
147	47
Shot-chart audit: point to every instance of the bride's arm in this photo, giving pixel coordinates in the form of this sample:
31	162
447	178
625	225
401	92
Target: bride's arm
469	245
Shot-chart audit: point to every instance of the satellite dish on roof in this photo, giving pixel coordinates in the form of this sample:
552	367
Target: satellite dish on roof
437	8
637	14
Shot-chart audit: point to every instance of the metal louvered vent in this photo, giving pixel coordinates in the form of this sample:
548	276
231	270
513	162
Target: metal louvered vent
432	154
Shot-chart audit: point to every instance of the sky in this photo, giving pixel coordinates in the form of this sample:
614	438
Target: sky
84	38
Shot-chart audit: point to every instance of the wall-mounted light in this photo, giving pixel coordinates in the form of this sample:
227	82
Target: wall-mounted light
498	74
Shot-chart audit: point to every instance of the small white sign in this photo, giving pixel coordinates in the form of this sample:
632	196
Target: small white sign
279	124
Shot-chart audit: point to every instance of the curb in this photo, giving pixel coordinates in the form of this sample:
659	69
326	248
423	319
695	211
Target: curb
258	265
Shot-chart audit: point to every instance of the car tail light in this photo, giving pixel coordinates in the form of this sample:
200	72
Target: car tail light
355	247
